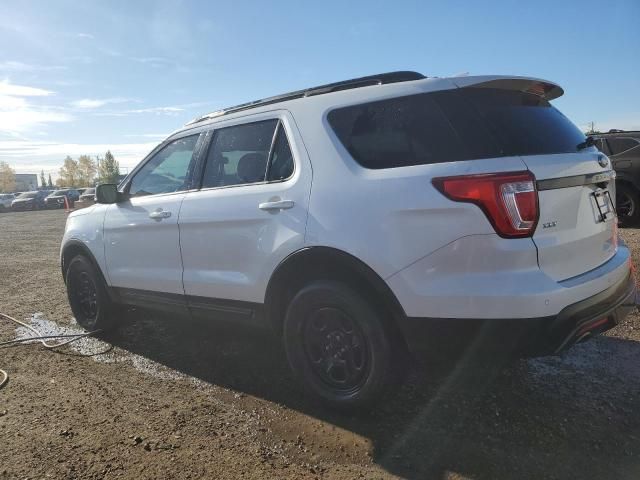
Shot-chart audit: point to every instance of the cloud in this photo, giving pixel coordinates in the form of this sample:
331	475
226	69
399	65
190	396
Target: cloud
85	35
168	110
148	135
33	156
90	103
171	110
7	88
25	119
18	115
13	66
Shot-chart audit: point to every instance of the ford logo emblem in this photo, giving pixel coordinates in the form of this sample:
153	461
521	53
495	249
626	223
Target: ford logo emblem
603	161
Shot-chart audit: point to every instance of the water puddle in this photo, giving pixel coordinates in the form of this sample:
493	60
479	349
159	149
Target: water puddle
101	351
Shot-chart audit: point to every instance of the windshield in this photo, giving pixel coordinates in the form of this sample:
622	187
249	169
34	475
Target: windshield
57	193
28	195
89	191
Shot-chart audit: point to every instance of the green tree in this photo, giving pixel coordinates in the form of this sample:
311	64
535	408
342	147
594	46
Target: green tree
86	171
7	178
108	169
49	182
68	174
43	182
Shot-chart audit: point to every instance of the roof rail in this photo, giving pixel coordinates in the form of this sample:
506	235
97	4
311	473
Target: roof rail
379	79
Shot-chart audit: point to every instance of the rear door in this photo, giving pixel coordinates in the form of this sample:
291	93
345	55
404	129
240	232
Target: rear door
249	215
576	231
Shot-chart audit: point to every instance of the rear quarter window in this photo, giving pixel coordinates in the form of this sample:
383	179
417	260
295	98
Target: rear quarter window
413	130
452	125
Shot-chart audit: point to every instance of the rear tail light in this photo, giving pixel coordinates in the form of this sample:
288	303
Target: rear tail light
509	200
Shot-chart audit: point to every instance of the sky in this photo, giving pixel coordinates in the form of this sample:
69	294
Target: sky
81	77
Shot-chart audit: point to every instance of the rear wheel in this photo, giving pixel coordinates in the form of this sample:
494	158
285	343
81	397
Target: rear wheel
627	205
88	297
337	345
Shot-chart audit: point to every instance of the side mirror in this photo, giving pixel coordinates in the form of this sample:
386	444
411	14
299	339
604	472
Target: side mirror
107	193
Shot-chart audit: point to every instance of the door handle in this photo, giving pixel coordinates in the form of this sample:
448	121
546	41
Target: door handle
159	214
277	205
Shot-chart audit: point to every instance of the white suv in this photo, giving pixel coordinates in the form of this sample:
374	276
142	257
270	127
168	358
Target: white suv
364	219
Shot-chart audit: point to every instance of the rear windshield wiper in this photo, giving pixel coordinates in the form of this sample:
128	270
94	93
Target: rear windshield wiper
588	142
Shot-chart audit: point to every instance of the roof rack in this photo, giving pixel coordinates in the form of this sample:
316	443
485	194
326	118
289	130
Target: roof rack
379	79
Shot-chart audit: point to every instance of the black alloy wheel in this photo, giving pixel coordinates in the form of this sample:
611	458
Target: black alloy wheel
92	307
627	206
339	345
336	349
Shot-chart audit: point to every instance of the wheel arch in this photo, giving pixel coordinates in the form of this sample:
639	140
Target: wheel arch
322	263
74	248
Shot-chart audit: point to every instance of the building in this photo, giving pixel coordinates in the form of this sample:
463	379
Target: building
26	182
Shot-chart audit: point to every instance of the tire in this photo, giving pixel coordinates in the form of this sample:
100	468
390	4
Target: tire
88	297
338	346
627	205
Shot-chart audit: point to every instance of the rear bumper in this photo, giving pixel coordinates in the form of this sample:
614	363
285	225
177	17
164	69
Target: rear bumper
524	336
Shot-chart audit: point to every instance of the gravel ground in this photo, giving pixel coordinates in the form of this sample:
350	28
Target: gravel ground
168	398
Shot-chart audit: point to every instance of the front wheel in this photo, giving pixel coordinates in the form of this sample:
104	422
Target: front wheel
627	205
338	345
88	297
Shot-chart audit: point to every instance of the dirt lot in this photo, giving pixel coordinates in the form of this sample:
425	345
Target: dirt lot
176	399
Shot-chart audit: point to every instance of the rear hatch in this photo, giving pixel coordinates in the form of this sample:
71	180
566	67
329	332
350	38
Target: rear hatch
577	229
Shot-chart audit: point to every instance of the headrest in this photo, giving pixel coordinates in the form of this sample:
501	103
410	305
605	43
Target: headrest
251	167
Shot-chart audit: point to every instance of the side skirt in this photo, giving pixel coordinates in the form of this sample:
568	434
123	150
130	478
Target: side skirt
203	308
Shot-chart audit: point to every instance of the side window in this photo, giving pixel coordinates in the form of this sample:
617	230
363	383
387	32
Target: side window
168	171
238	155
620	145
281	166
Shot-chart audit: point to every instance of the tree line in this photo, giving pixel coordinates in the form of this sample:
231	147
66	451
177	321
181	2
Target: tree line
83	172
87	171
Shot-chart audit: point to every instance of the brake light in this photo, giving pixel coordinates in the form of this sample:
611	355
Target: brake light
509	200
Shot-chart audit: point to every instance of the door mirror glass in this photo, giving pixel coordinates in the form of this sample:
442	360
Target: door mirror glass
107	193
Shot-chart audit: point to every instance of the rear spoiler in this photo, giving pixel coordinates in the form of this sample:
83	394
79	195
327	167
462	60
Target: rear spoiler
543	88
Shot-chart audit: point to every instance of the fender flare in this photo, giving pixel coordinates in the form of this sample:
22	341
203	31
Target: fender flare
331	256
79	248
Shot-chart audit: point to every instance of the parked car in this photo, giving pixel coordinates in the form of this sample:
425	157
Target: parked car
29	201
5	201
623	148
363	220
88	195
56	199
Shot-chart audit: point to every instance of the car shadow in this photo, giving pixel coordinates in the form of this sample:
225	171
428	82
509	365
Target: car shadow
564	417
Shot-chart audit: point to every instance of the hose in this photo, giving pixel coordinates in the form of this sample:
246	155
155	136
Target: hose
38	338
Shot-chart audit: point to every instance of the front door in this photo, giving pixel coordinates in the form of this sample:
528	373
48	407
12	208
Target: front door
142	242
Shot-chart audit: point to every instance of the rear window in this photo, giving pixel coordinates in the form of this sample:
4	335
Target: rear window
523	123
452	125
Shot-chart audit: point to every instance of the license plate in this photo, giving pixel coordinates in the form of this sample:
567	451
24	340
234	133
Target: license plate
604	204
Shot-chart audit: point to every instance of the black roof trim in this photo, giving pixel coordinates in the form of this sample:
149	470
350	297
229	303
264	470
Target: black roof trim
378	79
614	132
